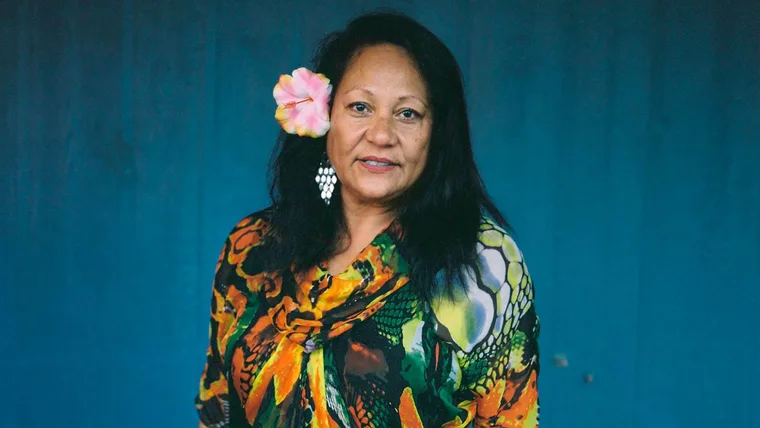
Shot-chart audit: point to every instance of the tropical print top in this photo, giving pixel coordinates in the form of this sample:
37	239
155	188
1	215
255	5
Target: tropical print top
358	349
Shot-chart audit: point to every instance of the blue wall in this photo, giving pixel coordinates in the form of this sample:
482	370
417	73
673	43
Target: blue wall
622	138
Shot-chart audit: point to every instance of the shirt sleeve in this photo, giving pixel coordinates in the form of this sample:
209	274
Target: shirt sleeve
495	328
212	401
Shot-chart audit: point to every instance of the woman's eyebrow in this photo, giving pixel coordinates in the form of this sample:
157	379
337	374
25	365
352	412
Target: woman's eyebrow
370	93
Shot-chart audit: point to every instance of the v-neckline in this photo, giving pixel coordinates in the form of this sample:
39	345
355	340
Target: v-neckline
325	306
324	266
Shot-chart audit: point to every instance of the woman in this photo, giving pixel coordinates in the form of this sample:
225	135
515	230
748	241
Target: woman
387	293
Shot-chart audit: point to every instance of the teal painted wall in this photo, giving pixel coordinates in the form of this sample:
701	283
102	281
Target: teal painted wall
622	139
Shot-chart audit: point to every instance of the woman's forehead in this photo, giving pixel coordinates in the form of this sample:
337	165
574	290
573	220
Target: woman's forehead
384	68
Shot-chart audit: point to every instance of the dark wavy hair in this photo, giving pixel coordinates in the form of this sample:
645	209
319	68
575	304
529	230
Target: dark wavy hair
440	214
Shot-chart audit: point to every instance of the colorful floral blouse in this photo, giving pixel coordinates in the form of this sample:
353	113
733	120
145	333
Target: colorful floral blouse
358	349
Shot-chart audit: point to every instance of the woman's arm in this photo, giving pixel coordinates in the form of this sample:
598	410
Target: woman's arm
509	396
211	401
506	387
495	326
229	298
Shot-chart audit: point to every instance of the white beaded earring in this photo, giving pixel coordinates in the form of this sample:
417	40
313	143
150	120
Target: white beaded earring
326	179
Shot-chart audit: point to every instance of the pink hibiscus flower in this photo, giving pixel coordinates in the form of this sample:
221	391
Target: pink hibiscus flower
302	103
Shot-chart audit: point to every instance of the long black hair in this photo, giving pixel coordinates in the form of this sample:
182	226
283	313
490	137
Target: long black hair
440	214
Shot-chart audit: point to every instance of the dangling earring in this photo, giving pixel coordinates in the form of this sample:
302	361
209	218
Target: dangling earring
326	179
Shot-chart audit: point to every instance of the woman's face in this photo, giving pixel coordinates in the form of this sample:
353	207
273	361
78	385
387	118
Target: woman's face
380	128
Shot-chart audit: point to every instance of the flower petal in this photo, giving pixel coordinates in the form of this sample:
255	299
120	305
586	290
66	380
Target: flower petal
313	83
286	116
289	90
322	103
309	123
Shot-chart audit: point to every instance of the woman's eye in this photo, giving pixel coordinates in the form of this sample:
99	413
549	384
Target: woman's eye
409	114
358	107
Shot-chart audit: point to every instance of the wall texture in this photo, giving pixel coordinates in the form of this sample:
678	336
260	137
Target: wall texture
622	138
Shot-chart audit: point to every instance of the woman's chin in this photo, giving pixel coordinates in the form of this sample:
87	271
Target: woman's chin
375	196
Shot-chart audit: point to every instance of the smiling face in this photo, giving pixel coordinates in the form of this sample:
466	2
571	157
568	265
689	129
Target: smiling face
380	128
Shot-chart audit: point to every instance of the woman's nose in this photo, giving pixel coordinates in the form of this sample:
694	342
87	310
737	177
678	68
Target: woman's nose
381	131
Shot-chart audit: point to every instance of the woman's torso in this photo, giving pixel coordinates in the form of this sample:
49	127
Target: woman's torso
360	348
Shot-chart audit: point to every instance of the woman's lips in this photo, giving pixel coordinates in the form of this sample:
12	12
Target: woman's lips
377	164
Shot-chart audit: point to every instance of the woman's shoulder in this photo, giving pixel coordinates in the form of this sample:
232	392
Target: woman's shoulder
493	236
496	291
249	231
501	267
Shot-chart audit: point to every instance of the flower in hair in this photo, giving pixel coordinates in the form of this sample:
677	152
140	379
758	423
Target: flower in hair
302	103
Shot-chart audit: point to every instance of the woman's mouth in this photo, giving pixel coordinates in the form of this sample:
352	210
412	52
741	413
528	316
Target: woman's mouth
377	165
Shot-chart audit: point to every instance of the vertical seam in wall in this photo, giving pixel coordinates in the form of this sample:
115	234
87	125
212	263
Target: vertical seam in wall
208	103
658	21
127	81
21	178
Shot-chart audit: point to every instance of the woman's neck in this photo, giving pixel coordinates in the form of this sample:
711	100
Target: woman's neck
363	223
365	220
